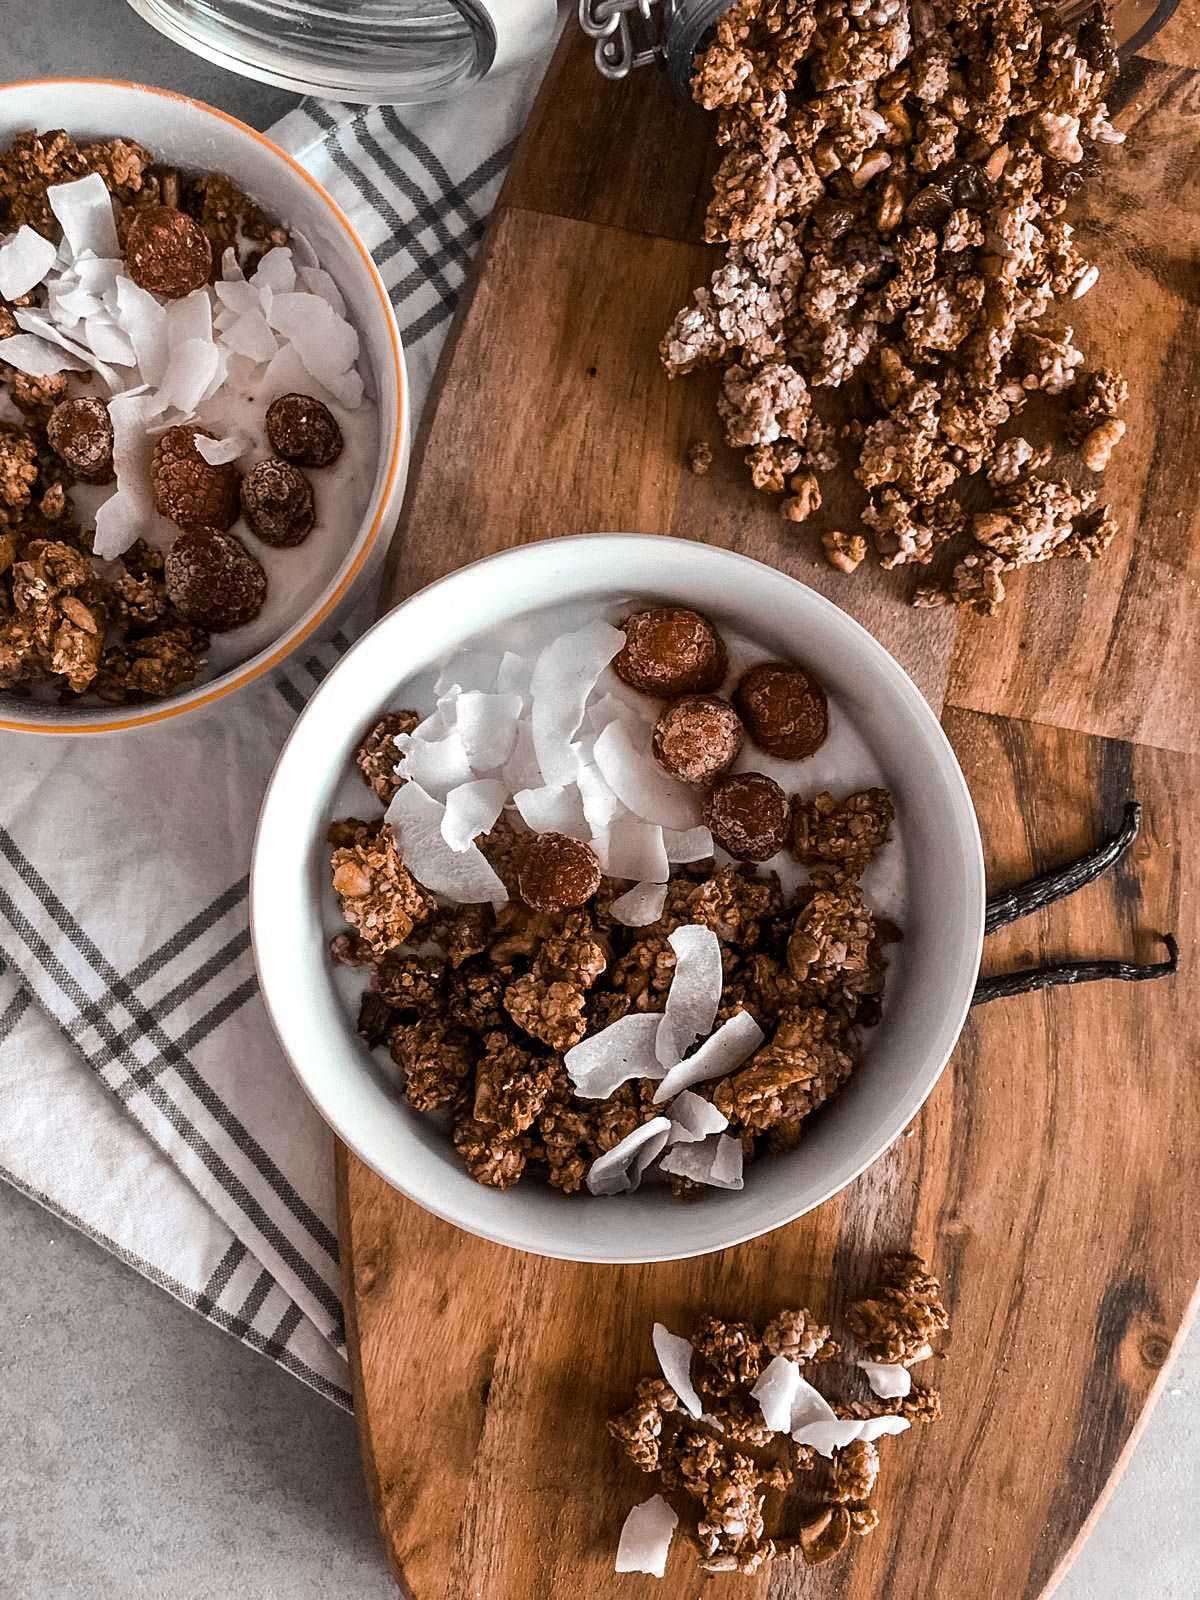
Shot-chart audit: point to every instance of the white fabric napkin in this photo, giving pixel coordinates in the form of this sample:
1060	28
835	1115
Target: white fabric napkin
143	1098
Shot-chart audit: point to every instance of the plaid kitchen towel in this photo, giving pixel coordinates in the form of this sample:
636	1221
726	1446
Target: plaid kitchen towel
142	1095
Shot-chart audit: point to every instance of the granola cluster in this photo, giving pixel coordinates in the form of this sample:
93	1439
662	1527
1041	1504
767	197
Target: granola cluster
477	1007
891	197
747	1493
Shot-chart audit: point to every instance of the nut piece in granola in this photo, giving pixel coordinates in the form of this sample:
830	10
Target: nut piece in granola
277	503
80	432
784	709
380	898
556	873
697	738
747	814
213	580
670	650
303	431
166	252
186	489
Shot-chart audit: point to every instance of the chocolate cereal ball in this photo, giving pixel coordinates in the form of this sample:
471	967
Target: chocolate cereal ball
783	708
277	503
670	650
303	430
556	873
186	489
748	814
214	580
167	252
80	432
697	738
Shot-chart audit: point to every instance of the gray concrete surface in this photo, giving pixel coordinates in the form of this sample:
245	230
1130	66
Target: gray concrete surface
147	1456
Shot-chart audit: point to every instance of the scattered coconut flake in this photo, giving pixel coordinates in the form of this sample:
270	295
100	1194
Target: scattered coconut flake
35	322
126	514
611	708
193	366
438	765
238	296
326	343
70	305
276	271
641	905
487	726
620	1170
562	681
631	848
888	1379
776	1391
716	1162
639	783
107	341
35	357
463	877
809	1405
84	209
250	335
471	809
600	804
646	1536
872	1428
95	274
695	992
553	808
675	1360
25	259
693	1117
521	770
720	1053
687	844
826	1437
513	674
219	452
603	1061
317	281
145	322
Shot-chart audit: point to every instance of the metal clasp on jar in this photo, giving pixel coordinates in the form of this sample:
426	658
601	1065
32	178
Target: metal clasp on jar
612	24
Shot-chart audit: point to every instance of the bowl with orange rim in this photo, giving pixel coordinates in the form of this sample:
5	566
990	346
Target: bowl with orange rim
356	498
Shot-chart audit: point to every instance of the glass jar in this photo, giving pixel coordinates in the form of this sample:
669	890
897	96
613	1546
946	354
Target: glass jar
401	51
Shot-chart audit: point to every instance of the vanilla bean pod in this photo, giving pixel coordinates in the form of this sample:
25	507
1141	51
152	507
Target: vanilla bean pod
1059	882
1003	984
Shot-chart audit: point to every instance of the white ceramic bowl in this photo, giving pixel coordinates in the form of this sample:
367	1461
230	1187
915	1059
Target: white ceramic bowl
198	138
932	975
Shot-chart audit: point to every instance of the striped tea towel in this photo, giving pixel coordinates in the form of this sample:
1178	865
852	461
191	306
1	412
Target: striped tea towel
142	1095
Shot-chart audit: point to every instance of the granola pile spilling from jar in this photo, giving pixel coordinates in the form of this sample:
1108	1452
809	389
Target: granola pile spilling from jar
612	923
180	407
736	1426
895	295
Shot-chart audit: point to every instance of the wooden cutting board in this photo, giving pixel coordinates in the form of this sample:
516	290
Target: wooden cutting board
1053	1176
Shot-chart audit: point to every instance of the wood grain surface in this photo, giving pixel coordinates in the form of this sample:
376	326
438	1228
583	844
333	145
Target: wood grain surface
1053	1176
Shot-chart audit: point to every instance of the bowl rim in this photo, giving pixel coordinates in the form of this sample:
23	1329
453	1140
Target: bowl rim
948	1034
107	721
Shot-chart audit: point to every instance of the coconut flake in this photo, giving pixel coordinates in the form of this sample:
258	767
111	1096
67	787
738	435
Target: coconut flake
192	368
471	809
249	335
513	674
521	770
127	513
631	848
687	844
35	322
145	322
888	1379
809	1406
619	1170
600	805
25	259
84	209
826	1437
276	271
219	452
325	342
776	1391
487	726
639	783
716	1162
107	341
695	992
36	358
318	282
641	905
463	877
646	1536
438	765
872	1428
562	681
553	808
675	1361
693	1117
720	1053
603	1061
